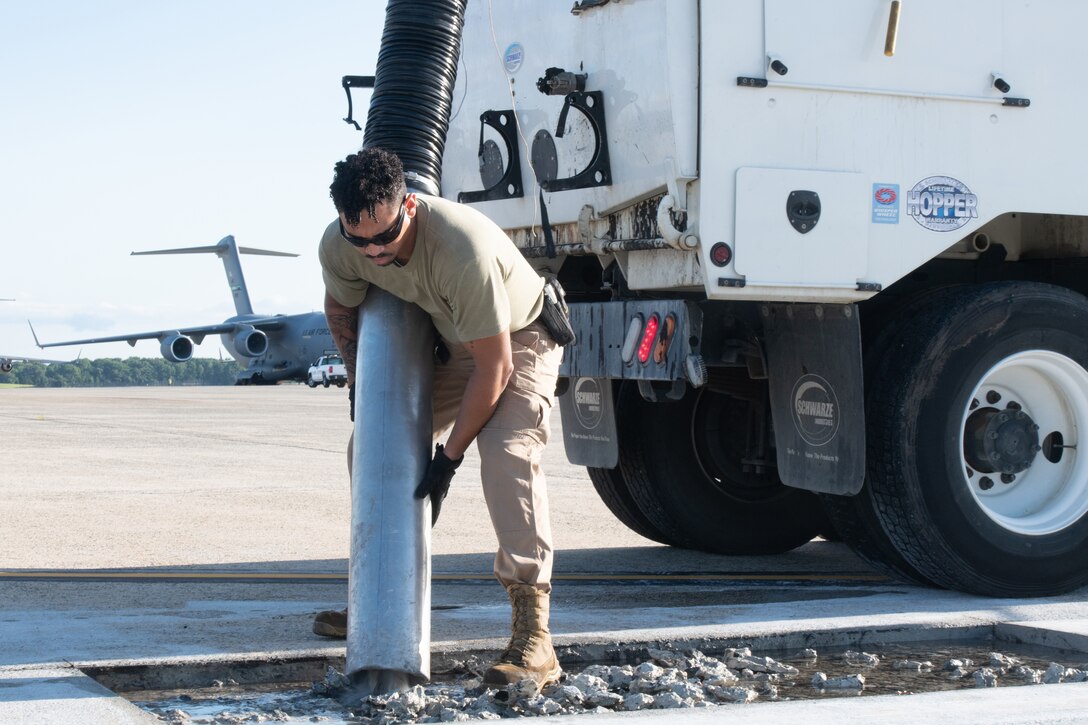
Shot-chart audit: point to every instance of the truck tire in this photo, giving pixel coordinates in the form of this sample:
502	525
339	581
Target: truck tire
855	517
612	490
687	479
610	485
310	382
324	381
855	520
973	464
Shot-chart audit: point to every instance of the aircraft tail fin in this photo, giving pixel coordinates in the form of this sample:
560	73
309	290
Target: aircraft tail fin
228	251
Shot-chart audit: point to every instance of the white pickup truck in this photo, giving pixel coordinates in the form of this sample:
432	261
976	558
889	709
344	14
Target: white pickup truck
328	370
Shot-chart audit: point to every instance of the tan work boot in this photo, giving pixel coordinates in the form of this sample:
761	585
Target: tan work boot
331	623
530	654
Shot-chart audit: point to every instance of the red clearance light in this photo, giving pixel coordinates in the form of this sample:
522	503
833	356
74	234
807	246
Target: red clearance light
648	336
721	254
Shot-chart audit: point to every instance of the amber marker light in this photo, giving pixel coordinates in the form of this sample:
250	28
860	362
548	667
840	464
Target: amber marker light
664	340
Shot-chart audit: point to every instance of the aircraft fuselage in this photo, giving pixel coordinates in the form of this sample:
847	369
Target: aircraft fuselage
292	348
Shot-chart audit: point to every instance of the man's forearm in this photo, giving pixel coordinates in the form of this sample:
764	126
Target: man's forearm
344	327
481	397
494	364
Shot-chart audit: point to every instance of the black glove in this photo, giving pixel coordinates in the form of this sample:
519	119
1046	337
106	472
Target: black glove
436	481
351	401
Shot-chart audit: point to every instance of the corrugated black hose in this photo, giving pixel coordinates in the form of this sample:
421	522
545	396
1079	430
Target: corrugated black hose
413	86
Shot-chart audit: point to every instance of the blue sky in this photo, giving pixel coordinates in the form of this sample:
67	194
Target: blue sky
142	125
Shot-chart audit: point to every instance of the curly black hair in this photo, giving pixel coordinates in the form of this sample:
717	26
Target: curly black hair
371	176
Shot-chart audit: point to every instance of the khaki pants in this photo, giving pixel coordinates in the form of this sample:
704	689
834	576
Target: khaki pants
510	446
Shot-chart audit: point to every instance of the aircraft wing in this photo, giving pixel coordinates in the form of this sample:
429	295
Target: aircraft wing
197	333
21	359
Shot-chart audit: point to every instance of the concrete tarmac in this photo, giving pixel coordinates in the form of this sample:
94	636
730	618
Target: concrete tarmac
189	529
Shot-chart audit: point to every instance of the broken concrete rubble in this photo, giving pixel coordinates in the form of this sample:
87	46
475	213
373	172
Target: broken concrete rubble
668	679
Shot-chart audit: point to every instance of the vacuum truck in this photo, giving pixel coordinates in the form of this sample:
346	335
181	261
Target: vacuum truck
825	262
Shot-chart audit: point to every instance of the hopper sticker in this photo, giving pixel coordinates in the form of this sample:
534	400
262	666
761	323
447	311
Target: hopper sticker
941	203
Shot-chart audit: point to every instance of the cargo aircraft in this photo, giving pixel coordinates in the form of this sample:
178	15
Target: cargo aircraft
271	347
7	361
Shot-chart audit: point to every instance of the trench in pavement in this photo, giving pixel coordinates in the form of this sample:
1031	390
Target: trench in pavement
280	688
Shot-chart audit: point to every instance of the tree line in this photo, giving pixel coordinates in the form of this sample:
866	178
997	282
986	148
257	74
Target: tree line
116	372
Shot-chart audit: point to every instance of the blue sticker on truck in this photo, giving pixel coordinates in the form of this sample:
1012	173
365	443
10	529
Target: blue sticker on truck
885	203
941	203
513	57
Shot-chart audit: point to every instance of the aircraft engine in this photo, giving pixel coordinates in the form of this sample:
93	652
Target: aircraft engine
5	366
249	342
177	348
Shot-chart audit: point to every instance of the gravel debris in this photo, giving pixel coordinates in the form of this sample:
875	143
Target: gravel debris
860	659
955	664
664	680
732	694
742	659
669	658
1053	674
1000	660
670	700
985	677
637	701
1028	674
1075	675
713	670
912	665
850	682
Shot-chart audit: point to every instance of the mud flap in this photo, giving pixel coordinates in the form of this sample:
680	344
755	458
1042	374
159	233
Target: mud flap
814	366
589	423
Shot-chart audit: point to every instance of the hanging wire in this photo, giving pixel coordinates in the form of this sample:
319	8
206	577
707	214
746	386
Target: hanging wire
537	197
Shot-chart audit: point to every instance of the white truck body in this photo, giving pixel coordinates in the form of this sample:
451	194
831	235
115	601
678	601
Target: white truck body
678	122
795	192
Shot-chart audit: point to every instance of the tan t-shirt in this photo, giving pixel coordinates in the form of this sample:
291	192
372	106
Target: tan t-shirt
464	271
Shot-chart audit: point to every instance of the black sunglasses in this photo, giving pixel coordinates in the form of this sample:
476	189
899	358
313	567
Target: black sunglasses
378	240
